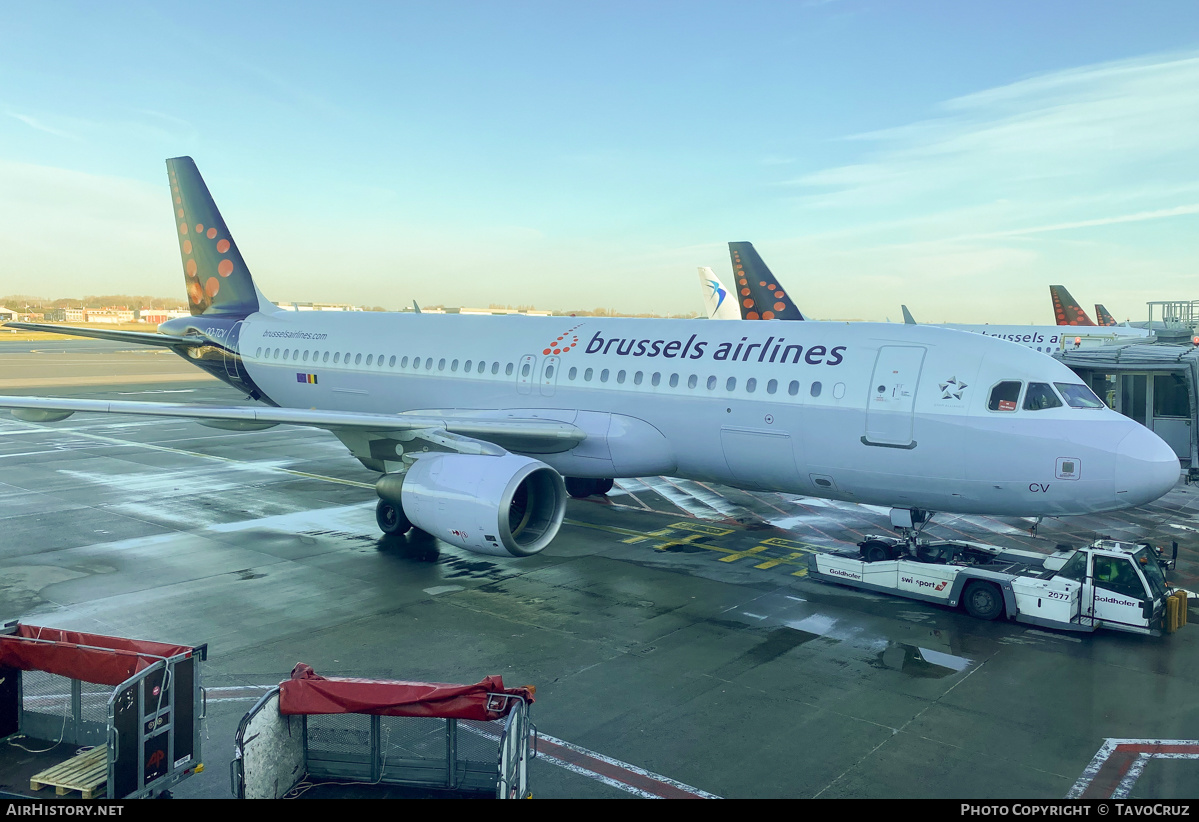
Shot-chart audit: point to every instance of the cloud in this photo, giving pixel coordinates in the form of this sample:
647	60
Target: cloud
33	122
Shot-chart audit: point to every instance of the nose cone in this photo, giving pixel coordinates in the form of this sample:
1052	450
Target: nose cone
1146	467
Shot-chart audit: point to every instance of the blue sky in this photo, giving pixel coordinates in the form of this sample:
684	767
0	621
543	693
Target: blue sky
957	157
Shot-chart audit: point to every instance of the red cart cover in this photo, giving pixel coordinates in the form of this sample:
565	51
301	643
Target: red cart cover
104	660
310	693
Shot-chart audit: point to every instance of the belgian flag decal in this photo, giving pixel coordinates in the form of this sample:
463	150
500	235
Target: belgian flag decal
308	378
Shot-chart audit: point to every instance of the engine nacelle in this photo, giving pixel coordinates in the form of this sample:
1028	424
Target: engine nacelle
504	506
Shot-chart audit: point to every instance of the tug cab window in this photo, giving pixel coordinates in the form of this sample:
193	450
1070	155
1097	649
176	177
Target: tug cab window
1004	396
1039	397
1117	574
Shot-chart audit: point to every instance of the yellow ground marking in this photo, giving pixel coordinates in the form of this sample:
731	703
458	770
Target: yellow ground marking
736	555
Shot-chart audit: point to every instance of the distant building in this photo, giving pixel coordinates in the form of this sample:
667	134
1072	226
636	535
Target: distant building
161	315
319	307
7	314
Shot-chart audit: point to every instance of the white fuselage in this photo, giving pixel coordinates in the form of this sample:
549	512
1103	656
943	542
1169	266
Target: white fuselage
1050	338
885	414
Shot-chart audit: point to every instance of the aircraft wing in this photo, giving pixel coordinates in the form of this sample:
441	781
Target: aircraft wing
449	431
138	337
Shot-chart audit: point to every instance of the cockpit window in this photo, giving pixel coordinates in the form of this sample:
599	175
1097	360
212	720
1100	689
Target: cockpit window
1040	396
1004	396
1079	396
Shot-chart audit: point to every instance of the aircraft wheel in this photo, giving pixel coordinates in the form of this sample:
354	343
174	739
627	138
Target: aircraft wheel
983	600
875	551
580	487
391	518
603	486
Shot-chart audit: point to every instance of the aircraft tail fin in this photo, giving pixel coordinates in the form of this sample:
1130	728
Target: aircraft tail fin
216	277
759	293
719	304
1103	317
1066	309
907	316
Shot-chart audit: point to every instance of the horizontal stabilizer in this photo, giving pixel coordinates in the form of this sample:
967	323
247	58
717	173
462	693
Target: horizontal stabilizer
136	337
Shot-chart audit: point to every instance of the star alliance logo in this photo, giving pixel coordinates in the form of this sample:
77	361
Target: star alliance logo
952	389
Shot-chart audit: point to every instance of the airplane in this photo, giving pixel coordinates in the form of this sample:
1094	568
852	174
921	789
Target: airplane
1044	338
1103	316
474	422
1066	309
718	304
761	297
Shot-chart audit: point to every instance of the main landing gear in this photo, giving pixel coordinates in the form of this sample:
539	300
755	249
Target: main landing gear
583	487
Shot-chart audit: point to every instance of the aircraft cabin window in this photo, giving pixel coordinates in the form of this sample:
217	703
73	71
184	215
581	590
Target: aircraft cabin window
730	384
674	380
454	365
637	378
258	353
524	371
508	370
751	385
482	366
570	375
337	357
656	378
815	390
428	363
692	381
391	363
306	356
1040	396
466	367
326	357
1004	396
620	377
369	358
441	364
549	372
711	383
347	358
793	388
286	353
587	375
604	375
1079	396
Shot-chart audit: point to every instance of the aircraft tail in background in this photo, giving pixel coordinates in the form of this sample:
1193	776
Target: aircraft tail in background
216	277
907	316
719	304
1103	316
758	292
1066	310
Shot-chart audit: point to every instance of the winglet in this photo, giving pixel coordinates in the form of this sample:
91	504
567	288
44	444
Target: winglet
1066	309
759	293
907	316
217	279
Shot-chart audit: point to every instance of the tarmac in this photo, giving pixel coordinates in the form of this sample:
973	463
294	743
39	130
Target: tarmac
676	645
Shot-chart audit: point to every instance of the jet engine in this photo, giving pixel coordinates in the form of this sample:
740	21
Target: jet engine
505	505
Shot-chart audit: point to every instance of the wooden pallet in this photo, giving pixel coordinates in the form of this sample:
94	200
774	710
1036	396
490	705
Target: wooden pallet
85	773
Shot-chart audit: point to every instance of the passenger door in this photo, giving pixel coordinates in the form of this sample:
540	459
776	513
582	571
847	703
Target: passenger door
892	398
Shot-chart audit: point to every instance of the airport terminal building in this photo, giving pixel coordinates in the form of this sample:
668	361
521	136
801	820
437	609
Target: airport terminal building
1153	383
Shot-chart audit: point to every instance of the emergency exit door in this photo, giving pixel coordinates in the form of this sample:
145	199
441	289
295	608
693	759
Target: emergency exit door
892	397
